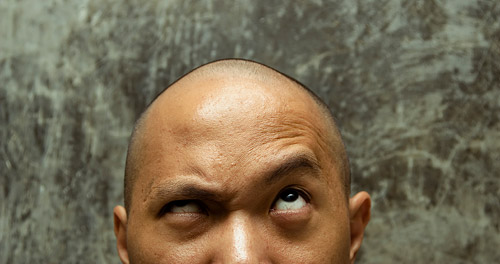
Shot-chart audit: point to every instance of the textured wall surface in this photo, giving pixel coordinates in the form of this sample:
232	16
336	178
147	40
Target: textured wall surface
414	84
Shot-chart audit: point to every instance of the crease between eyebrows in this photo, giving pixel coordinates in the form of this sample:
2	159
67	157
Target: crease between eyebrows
192	190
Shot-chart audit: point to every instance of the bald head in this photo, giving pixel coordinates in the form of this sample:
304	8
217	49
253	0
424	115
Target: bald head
223	100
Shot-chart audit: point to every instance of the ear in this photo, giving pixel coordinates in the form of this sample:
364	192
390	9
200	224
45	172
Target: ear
359	209
120	218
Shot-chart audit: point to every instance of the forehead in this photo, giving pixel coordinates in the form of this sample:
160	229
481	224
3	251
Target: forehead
224	126
220	97
221	105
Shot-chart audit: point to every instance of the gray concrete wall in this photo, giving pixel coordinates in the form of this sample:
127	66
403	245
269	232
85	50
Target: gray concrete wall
415	86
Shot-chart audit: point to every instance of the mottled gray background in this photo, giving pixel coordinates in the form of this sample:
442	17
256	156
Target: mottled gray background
415	86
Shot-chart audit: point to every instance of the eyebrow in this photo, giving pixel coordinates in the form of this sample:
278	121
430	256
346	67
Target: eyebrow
296	162
182	191
188	190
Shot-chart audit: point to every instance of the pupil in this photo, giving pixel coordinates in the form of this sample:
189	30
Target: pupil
181	203
289	196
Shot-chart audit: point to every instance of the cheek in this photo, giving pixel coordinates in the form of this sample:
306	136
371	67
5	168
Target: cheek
155	248
337	238
327	241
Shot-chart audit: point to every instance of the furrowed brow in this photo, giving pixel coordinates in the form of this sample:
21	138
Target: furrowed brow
174	191
294	163
169	191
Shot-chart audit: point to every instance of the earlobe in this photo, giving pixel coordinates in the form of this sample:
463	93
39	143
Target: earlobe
359	209
120	219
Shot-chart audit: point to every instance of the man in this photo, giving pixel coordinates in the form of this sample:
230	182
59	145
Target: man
238	163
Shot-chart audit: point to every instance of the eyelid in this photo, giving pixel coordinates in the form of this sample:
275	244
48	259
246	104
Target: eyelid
167	207
293	219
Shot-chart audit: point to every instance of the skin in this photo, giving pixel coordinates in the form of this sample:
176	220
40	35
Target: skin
213	155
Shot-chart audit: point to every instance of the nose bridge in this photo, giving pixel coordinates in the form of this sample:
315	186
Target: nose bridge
240	236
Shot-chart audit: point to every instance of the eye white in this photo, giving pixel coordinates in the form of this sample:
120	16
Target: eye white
185	207
289	200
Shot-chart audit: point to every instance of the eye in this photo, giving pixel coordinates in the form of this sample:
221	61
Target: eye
290	199
183	206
